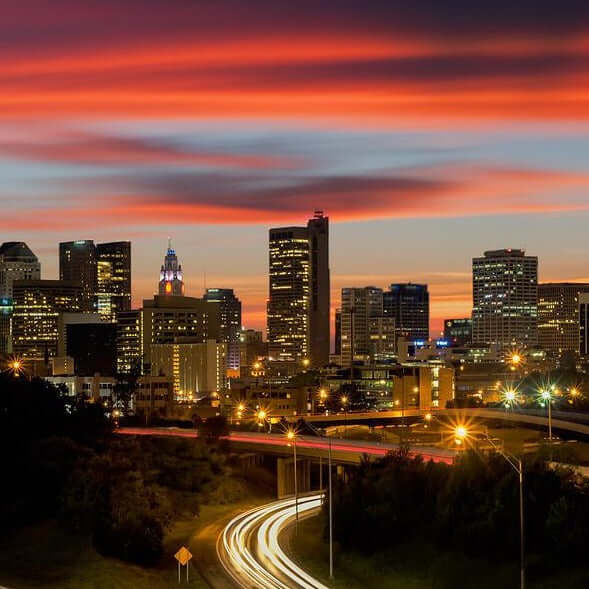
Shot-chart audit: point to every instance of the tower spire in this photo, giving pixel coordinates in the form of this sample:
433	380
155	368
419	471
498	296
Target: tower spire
171	281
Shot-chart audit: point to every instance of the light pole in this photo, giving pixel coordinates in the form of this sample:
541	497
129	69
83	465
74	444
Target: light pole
462	433
547	397
292	437
344	401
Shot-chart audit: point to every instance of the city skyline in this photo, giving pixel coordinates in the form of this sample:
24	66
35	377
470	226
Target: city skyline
428	135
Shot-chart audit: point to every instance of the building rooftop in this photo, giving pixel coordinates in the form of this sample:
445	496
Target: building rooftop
17	251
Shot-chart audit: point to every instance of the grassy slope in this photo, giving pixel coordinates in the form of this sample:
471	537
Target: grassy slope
49	557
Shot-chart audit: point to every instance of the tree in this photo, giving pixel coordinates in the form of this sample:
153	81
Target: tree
213	428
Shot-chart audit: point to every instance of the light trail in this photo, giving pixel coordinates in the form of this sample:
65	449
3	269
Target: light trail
350	448
250	551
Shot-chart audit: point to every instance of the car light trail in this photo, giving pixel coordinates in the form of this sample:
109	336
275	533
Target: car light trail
350	447
250	551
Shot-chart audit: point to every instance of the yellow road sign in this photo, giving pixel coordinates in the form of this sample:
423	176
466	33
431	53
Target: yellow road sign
183	555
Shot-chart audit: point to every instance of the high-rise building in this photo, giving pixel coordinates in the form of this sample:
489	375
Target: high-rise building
113	284
338	332
584	325
196	369
129	343
37	306
298	305
171	280
408	304
558	316
17	262
6	310
164	320
358	306
230	309
458	332
505	299
77	264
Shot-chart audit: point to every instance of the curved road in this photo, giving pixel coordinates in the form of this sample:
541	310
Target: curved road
249	550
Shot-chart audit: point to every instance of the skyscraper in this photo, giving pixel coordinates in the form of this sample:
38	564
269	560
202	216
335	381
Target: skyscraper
230	309
17	262
171	282
77	264
505	299
584	325
558	316
298	305
366	334
113	294
408	304
37	306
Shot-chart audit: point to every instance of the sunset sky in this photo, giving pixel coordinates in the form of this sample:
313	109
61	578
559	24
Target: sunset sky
428	131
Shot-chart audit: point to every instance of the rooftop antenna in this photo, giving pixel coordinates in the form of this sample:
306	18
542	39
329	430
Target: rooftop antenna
204	279
169	243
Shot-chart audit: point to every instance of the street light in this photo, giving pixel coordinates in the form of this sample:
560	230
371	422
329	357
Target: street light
546	396
344	401
462	433
291	436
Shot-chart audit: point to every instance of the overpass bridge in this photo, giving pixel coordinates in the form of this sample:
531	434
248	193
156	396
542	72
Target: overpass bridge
310	450
562	422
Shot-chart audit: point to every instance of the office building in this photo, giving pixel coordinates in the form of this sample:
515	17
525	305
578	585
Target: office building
164	319
37	306
77	264
171	279
69	318
230	309
382	339
92	346
584	325
298	305
17	262
196	369
359	305
558	316
338	333
408	305
458	332
6	310
113	279
505	299
128	342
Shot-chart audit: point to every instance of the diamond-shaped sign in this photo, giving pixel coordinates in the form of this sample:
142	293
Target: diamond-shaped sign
183	555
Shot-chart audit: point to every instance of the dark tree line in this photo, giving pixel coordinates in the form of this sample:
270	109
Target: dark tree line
470	508
61	461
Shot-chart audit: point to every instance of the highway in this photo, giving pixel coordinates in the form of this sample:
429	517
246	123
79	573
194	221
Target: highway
342	451
250	552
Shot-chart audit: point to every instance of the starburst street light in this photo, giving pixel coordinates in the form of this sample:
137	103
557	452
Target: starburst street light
546	398
15	366
510	398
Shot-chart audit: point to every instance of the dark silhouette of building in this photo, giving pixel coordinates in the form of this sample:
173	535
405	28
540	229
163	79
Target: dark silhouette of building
458	332
93	348
77	264
408	304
